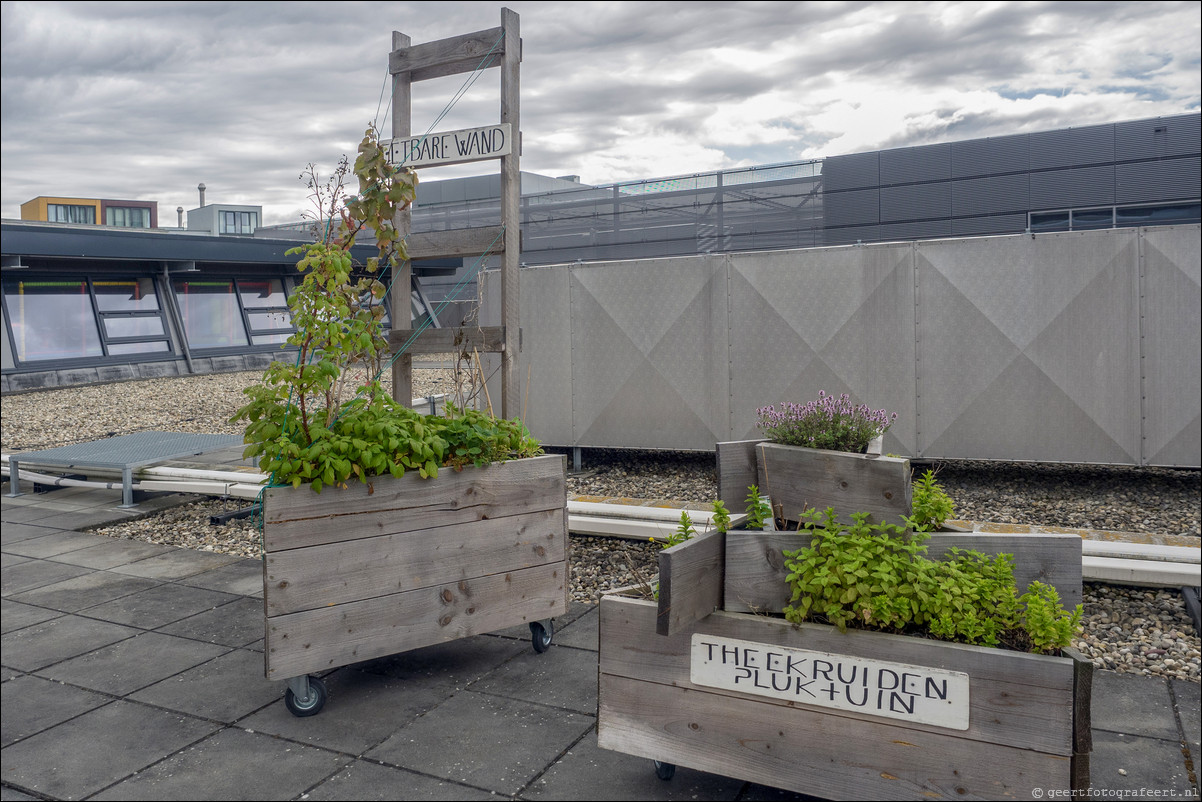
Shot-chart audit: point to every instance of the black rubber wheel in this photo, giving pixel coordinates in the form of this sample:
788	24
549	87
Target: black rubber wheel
665	771
307	707
541	636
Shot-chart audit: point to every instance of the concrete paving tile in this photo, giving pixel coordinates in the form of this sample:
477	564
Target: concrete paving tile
371	781
560	677
1149	764
80	757
159	605
33	574
244	578
15	532
484	741
13	795
583	633
754	792
32	704
455	663
232	764
8	560
15	615
238	623
362	711
41	645
56	543
226	688
1189	709
77	593
26	513
177	564
1132	704
588	772
131	664
112	552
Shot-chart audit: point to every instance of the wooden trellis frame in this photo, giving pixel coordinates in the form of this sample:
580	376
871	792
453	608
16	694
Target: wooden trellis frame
407	63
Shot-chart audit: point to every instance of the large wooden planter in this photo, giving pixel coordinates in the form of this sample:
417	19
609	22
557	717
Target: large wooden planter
838	715
397	564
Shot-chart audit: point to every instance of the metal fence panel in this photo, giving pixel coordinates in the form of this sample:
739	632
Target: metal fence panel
1028	348
649	353
1172	320
834	319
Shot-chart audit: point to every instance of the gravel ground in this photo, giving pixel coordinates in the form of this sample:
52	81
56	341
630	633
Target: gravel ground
1135	630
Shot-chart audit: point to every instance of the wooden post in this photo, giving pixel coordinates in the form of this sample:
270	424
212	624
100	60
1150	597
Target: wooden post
511	195
402	273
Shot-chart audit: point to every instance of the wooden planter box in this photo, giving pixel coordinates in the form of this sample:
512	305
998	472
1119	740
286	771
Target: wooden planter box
1027	715
902	718
398	564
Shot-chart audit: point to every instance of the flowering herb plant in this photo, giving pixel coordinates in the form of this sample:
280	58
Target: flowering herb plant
834	424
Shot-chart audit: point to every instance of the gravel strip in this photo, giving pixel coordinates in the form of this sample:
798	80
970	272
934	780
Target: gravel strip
1133	630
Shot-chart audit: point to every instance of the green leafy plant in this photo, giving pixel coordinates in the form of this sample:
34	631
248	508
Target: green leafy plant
834	424
684	531
930	506
326	419
877	576
759	511
721	517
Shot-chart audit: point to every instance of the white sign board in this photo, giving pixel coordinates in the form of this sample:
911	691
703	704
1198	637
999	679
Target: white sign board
451	147
875	687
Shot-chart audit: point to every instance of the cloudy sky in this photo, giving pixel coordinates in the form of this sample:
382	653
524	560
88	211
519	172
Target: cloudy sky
146	100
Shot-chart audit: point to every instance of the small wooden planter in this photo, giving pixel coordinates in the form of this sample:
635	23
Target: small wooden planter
918	718
398	564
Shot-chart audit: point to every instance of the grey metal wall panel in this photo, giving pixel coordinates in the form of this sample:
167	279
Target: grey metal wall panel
833	319
855	171
910	165
852	207
1172	320
1072	147
993	195
545	362
649	353
1158	138
1062	189
916	202
1147	182
1029	348
923	229
978	157
993	224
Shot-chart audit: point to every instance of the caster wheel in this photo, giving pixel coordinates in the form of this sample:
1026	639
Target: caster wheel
307	707
665	771
541	635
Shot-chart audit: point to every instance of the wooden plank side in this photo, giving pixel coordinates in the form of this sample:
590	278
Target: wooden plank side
450	53
755	565
298	517
316	640
736	469
801	478
804	751
336	573
487	339
1016	699
690	581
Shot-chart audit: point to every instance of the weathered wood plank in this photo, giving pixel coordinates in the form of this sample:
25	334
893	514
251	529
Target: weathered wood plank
1017	699
755	565
1083	692
298	517
336	573
316	640
807	752
801	478
450	56
736	468
488	339
690	581
456	243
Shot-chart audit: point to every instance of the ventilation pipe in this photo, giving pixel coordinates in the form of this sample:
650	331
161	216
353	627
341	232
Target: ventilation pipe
179	213
201	187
